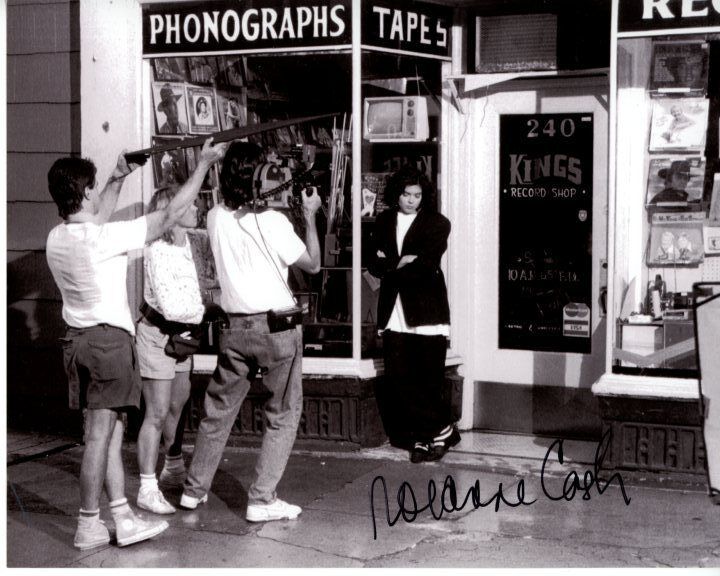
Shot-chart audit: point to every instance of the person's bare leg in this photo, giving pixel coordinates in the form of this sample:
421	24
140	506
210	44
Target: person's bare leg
115	475
99	428
157	403
178	397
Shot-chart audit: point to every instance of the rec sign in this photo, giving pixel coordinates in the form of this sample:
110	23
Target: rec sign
657	15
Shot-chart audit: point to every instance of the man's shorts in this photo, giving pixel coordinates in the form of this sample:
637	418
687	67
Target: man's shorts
154	363
102	368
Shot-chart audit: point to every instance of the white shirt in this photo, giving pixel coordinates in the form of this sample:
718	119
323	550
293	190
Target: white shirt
397	321
171	282
250	262
89	264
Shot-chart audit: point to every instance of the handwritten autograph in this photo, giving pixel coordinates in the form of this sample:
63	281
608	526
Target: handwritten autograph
409	510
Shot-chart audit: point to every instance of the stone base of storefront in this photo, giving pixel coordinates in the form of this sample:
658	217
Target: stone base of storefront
338	412
660	432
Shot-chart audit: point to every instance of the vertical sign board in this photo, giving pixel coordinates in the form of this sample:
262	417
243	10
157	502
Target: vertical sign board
545	282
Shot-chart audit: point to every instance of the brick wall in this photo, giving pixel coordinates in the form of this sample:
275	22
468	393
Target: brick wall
43	124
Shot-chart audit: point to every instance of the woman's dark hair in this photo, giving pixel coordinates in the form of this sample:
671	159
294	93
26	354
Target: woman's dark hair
200	100
161	198
409	175
236	174
67	180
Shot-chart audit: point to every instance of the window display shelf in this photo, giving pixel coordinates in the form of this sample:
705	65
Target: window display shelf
470	82
646	387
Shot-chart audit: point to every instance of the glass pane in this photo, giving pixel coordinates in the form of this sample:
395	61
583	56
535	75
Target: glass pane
667	178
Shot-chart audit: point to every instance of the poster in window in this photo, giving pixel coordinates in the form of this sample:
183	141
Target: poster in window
232	70
676	238
545	243
679	124
170	167
202	110
170	112
675	180
679	66
203	69
232	107
170	69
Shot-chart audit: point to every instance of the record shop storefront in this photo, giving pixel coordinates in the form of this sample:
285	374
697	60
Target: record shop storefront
157	75
503	105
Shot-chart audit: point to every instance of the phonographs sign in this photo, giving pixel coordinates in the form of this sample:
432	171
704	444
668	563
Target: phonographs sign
545	264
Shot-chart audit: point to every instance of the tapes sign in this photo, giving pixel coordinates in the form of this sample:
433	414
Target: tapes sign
227	26
638	16
407	26
545	260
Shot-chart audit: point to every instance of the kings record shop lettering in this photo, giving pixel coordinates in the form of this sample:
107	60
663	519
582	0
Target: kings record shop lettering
655	15
545	249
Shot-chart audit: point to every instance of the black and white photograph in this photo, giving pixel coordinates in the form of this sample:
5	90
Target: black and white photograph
675	180
202	111
169	108
248	331
679	124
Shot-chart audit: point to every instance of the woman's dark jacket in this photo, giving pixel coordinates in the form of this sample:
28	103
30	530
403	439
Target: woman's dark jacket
421	283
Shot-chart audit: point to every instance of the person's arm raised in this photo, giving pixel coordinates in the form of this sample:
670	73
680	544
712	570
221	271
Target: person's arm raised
160	221
309	260
110	194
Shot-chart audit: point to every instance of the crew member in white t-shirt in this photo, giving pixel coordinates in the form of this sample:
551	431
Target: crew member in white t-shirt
87	256
253	247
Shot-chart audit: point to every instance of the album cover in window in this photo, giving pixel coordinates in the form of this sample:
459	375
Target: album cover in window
675	181
679	124
679	67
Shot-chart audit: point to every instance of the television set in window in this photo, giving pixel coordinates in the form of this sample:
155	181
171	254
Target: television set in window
396	119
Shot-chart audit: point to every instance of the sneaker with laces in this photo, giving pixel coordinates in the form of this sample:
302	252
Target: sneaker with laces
130	529
154	501
91	533
278	510
172	477
190	502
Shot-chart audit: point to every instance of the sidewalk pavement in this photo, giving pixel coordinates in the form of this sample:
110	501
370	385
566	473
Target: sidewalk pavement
518	513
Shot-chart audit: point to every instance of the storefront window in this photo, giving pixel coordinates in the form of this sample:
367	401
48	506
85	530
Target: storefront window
667	198
205	94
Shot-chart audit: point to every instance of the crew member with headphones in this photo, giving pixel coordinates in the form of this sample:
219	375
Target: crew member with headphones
253	247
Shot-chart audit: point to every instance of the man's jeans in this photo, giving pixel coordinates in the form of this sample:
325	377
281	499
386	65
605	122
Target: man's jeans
246	344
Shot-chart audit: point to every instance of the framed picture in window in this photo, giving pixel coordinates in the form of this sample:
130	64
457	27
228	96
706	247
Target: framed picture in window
679	124
170	111
232	108
170	167
202	110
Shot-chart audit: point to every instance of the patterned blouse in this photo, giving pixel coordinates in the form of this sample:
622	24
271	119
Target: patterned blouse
171	282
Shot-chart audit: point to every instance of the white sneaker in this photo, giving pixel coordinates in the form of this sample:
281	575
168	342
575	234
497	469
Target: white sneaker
172	477
190	502
154	501
278	510
130	529
91	532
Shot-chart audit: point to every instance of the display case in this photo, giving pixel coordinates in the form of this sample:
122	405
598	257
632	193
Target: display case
666	171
